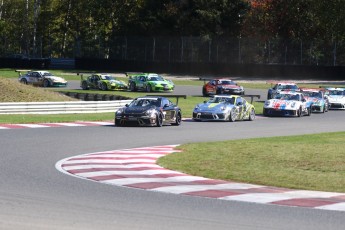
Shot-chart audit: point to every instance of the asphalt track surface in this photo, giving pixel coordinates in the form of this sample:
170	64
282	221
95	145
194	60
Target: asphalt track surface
35	195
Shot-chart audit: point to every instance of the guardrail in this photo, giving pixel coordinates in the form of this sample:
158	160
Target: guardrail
61	107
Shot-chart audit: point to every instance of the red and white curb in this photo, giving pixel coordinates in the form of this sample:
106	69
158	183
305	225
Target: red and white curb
137	168
70	124
49	125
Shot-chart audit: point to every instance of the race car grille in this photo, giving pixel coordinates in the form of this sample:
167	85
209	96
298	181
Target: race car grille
337	106
273	112
209	116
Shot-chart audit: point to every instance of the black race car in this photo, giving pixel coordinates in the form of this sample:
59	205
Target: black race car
149	111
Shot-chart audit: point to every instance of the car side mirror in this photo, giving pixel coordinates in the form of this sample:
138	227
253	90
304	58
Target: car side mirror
239	103
126	105
166	105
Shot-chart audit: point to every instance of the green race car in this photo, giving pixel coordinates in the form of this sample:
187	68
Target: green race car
149	82
102	82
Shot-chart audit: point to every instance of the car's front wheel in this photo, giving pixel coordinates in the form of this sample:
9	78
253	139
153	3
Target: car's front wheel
299	112
233	115
178	119
252	115
159	120
104	86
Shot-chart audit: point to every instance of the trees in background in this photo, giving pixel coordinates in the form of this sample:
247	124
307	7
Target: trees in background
65	28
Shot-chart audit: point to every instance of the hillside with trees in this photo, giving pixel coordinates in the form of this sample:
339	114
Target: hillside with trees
244	31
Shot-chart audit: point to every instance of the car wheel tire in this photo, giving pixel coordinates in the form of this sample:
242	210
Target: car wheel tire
132	87
117	122
24	81
299	112
159	120
178	119
46	83
252	115
232	115
148	88
104	86
84	86
309	111
204	93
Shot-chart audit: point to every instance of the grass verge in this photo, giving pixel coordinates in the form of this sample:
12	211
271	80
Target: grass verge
312	162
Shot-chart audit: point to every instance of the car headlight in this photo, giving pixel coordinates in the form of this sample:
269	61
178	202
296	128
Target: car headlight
222	108
267	103
293	104
119	111
150	112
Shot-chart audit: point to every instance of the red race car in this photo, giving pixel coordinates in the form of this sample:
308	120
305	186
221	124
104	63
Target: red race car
221	86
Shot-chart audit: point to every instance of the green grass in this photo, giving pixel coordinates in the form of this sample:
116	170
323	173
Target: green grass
40	118
312	162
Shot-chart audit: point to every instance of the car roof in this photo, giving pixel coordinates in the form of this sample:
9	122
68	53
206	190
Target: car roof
290	92
149	97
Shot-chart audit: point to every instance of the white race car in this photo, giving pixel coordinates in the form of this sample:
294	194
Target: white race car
287	104
280	87
336	98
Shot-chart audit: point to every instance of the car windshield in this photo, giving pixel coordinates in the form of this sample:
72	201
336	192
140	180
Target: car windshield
227	82
155	78
287	87
293	97
47	74
337	92
107	77
312	94
142	102
230	100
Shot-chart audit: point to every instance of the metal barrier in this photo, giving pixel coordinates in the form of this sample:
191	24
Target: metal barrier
61	107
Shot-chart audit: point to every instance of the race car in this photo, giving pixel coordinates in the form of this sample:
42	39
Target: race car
149	82
287	104
40	78
101	82
221	86
224	108
279	87
149	111
336	97
318	99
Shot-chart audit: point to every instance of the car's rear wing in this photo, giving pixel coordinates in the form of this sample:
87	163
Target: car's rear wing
175	96
331	87
19	71
82	75
251	97
131	74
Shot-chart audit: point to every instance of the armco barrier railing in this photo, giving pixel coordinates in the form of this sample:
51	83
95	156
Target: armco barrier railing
61	107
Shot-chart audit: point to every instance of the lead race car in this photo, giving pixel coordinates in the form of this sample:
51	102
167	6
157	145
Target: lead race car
336	97
149	111
224	108
287	103
40	78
